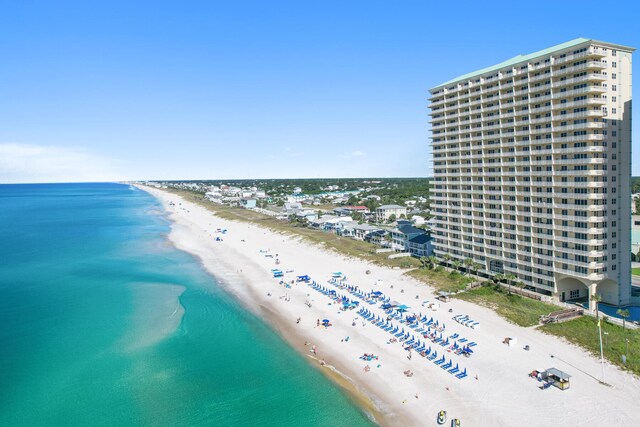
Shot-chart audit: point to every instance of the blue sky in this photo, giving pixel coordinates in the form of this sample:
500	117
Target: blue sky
238	89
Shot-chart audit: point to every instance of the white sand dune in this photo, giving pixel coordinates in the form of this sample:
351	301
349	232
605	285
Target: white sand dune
502	394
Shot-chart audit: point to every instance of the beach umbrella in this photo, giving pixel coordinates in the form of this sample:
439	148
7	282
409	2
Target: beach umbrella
325	321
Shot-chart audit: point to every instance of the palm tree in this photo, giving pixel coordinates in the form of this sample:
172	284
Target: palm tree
468	262
596	298
425	261
624	314
510	277
433	260
476	267
447	258
456	264
497	278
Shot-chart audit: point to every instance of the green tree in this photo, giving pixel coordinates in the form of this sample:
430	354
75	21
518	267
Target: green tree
624	313
468	263
425	261
596	298
510	277
433	261
353	200
447	258
497	278
392	218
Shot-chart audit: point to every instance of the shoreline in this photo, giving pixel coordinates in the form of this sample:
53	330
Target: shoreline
385	393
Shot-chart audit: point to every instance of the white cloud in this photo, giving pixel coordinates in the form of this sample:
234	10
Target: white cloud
29	163
352	155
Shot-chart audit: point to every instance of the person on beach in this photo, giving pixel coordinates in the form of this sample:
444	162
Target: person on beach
318	322
298	320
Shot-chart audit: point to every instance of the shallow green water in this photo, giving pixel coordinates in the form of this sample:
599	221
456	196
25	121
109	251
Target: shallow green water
102	322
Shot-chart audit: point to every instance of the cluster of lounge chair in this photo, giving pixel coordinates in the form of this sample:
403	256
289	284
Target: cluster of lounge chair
409	341
343	299
465	320
427	327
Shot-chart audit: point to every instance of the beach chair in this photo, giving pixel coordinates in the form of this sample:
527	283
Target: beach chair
447	365
433	355
440	361
454	370
462	374
472	344
462	340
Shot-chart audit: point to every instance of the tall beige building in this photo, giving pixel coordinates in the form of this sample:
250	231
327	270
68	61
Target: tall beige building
532	168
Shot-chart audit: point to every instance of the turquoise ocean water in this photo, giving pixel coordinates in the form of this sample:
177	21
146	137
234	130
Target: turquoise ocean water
102	322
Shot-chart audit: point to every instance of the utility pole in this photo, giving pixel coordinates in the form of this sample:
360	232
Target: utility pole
601	352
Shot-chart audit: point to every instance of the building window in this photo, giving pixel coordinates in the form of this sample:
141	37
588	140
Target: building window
574	294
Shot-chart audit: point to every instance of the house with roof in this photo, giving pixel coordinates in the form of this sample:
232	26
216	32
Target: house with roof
248	202
359	208
346	229
309	214
420	246
384	212
319	223
378	238
360	231
402	234
335	224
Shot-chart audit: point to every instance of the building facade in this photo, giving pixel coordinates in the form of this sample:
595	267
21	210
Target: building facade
384	212
532	168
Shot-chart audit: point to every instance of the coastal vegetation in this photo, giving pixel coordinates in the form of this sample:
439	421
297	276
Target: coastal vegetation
517	309
616	340
441	279
346	247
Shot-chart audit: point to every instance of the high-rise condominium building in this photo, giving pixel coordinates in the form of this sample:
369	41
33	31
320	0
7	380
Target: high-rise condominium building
532	165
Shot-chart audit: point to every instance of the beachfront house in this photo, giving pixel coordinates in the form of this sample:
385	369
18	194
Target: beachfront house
360	231
384	212
248	203
319	223
420	246
402	234
378	238
291	208
309	214
334	224
346	229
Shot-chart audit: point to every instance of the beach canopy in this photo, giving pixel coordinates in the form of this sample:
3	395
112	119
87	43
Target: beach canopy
376	293
559	374
394	303
325	321
336	273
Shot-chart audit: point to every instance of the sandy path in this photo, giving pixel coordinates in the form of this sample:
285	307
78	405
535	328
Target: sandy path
503	394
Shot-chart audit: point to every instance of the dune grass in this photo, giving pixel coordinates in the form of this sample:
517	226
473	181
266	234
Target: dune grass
515	308
344	246
441	279
583	331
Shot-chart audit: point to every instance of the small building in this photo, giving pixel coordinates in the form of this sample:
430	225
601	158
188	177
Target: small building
557	378
384	212
420	245
248	203
361	230
401	235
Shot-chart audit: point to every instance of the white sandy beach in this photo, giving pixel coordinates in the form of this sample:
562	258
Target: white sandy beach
502	394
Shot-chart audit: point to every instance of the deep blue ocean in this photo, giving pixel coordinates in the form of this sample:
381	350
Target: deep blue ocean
104	323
